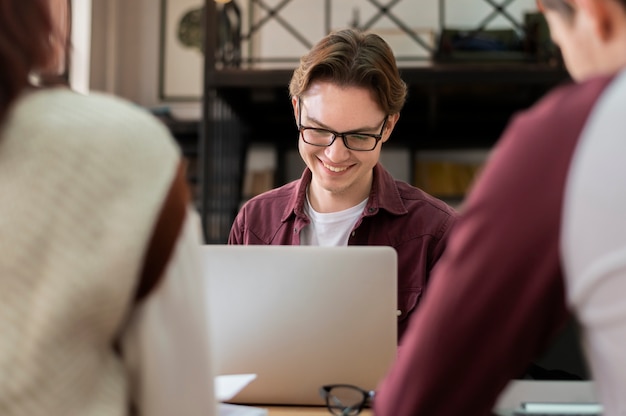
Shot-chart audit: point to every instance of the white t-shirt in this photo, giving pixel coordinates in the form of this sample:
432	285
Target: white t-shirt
330	229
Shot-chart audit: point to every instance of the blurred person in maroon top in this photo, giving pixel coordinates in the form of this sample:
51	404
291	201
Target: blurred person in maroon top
542	238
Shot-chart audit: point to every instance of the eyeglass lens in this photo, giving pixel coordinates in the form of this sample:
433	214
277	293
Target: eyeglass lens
345	400
321	137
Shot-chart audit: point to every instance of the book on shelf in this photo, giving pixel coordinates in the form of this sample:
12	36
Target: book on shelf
448	174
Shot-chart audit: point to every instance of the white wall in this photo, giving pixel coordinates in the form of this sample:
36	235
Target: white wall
125	49
81	45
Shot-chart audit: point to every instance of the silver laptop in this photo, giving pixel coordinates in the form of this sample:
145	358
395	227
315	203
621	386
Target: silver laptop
300	317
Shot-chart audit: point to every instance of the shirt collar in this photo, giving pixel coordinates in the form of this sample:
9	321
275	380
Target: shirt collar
383	195
298	198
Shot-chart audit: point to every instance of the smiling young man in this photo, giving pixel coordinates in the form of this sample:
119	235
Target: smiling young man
542	237
347	95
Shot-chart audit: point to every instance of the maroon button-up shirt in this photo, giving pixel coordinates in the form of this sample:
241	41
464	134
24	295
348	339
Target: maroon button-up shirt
397	214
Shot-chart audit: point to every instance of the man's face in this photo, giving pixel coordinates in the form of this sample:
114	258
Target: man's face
341	177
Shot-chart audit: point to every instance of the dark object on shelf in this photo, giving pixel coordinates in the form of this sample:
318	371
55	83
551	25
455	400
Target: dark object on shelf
502	45
538	42
229	35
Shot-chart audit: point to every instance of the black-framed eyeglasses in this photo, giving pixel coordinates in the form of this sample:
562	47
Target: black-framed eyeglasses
353	140
345	399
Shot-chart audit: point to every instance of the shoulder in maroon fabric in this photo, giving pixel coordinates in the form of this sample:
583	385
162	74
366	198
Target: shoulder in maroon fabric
497	294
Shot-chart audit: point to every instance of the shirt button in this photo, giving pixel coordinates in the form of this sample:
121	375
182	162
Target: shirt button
398	312
295	231
371	209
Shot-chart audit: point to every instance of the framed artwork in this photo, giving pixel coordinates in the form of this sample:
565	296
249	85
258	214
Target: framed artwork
181	55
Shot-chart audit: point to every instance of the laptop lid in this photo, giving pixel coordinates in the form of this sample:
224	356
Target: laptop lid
300	317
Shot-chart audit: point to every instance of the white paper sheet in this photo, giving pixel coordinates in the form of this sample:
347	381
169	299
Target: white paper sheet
227	386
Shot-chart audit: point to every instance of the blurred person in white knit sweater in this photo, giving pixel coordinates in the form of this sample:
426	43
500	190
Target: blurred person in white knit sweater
101	308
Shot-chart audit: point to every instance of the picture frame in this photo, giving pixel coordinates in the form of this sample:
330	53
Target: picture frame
181	64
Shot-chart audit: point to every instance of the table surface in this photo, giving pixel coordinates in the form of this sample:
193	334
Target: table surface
322	411
304	411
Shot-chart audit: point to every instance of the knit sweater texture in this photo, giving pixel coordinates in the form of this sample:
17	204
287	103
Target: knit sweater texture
82	181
